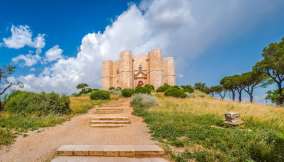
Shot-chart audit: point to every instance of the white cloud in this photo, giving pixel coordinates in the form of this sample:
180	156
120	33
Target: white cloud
181	28
22	36
28	59
53	54
38	43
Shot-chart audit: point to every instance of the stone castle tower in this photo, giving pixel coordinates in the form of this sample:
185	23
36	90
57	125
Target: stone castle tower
132	71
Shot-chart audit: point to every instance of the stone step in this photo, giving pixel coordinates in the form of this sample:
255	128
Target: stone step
111	150
110	121
106	125
117	105
108	112
108	109
105	159
111	118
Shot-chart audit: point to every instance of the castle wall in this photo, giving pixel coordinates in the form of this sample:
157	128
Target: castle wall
126	70
151	68
171	75
115	78
155	68
107	74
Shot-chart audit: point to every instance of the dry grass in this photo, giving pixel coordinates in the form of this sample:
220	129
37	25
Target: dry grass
82	104
208	105
193	128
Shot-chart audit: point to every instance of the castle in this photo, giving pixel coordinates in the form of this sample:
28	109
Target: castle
131	71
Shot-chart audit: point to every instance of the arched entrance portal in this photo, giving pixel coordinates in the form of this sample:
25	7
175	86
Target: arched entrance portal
140	83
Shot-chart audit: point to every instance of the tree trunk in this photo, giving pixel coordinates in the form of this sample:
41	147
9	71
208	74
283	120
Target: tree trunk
251	94
240	96
251	98
1	105
281	97
233	95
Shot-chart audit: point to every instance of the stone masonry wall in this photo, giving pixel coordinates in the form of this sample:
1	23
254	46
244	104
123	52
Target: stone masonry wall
129	70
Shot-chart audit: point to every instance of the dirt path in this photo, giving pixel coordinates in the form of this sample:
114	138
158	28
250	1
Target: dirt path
41	146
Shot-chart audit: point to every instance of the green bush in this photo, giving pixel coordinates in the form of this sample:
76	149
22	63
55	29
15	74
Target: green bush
187	88
175	92
142	101
149	86
100	95
144	90
163	88
127	92
37	103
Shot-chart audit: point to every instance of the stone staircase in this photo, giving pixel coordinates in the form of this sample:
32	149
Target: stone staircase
109	116
109	121
108	110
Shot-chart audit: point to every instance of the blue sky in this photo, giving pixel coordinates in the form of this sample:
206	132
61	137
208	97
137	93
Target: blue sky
208	39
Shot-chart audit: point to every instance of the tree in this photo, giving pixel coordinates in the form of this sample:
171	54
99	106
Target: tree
239	83
83	88
6	82
228	84
218	89
273	96
272	65
251	80
201	87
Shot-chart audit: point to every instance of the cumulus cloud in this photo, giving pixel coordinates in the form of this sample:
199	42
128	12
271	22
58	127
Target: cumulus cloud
27	60
53	53
21	36
181	28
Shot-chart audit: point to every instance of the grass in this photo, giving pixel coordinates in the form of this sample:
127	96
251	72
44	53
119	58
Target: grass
193	129
12	124
82	104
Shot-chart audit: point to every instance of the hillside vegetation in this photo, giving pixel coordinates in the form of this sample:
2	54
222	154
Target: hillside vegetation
38	113
193	128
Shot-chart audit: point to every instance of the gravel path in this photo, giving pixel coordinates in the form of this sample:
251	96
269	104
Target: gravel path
41	146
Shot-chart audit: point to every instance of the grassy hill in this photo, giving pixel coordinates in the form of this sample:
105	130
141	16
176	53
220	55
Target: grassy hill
193	128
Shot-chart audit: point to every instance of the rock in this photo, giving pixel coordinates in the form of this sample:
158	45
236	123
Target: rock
233	118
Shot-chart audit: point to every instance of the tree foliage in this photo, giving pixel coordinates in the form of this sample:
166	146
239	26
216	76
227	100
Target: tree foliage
5	82
83	88
228	84
272	64
251	80
219	90
201	87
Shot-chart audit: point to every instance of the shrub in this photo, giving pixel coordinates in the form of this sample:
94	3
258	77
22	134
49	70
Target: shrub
100	95
187	88
34	103
163	88
143	100
175	92
144	90
149	86
127	92
115	92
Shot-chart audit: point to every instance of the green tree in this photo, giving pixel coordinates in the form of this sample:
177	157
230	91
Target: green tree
201	87
228	84
251	80
5	82
272	64
219	90
239	83
83	88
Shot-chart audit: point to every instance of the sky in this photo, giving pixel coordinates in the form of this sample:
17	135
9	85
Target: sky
57	44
